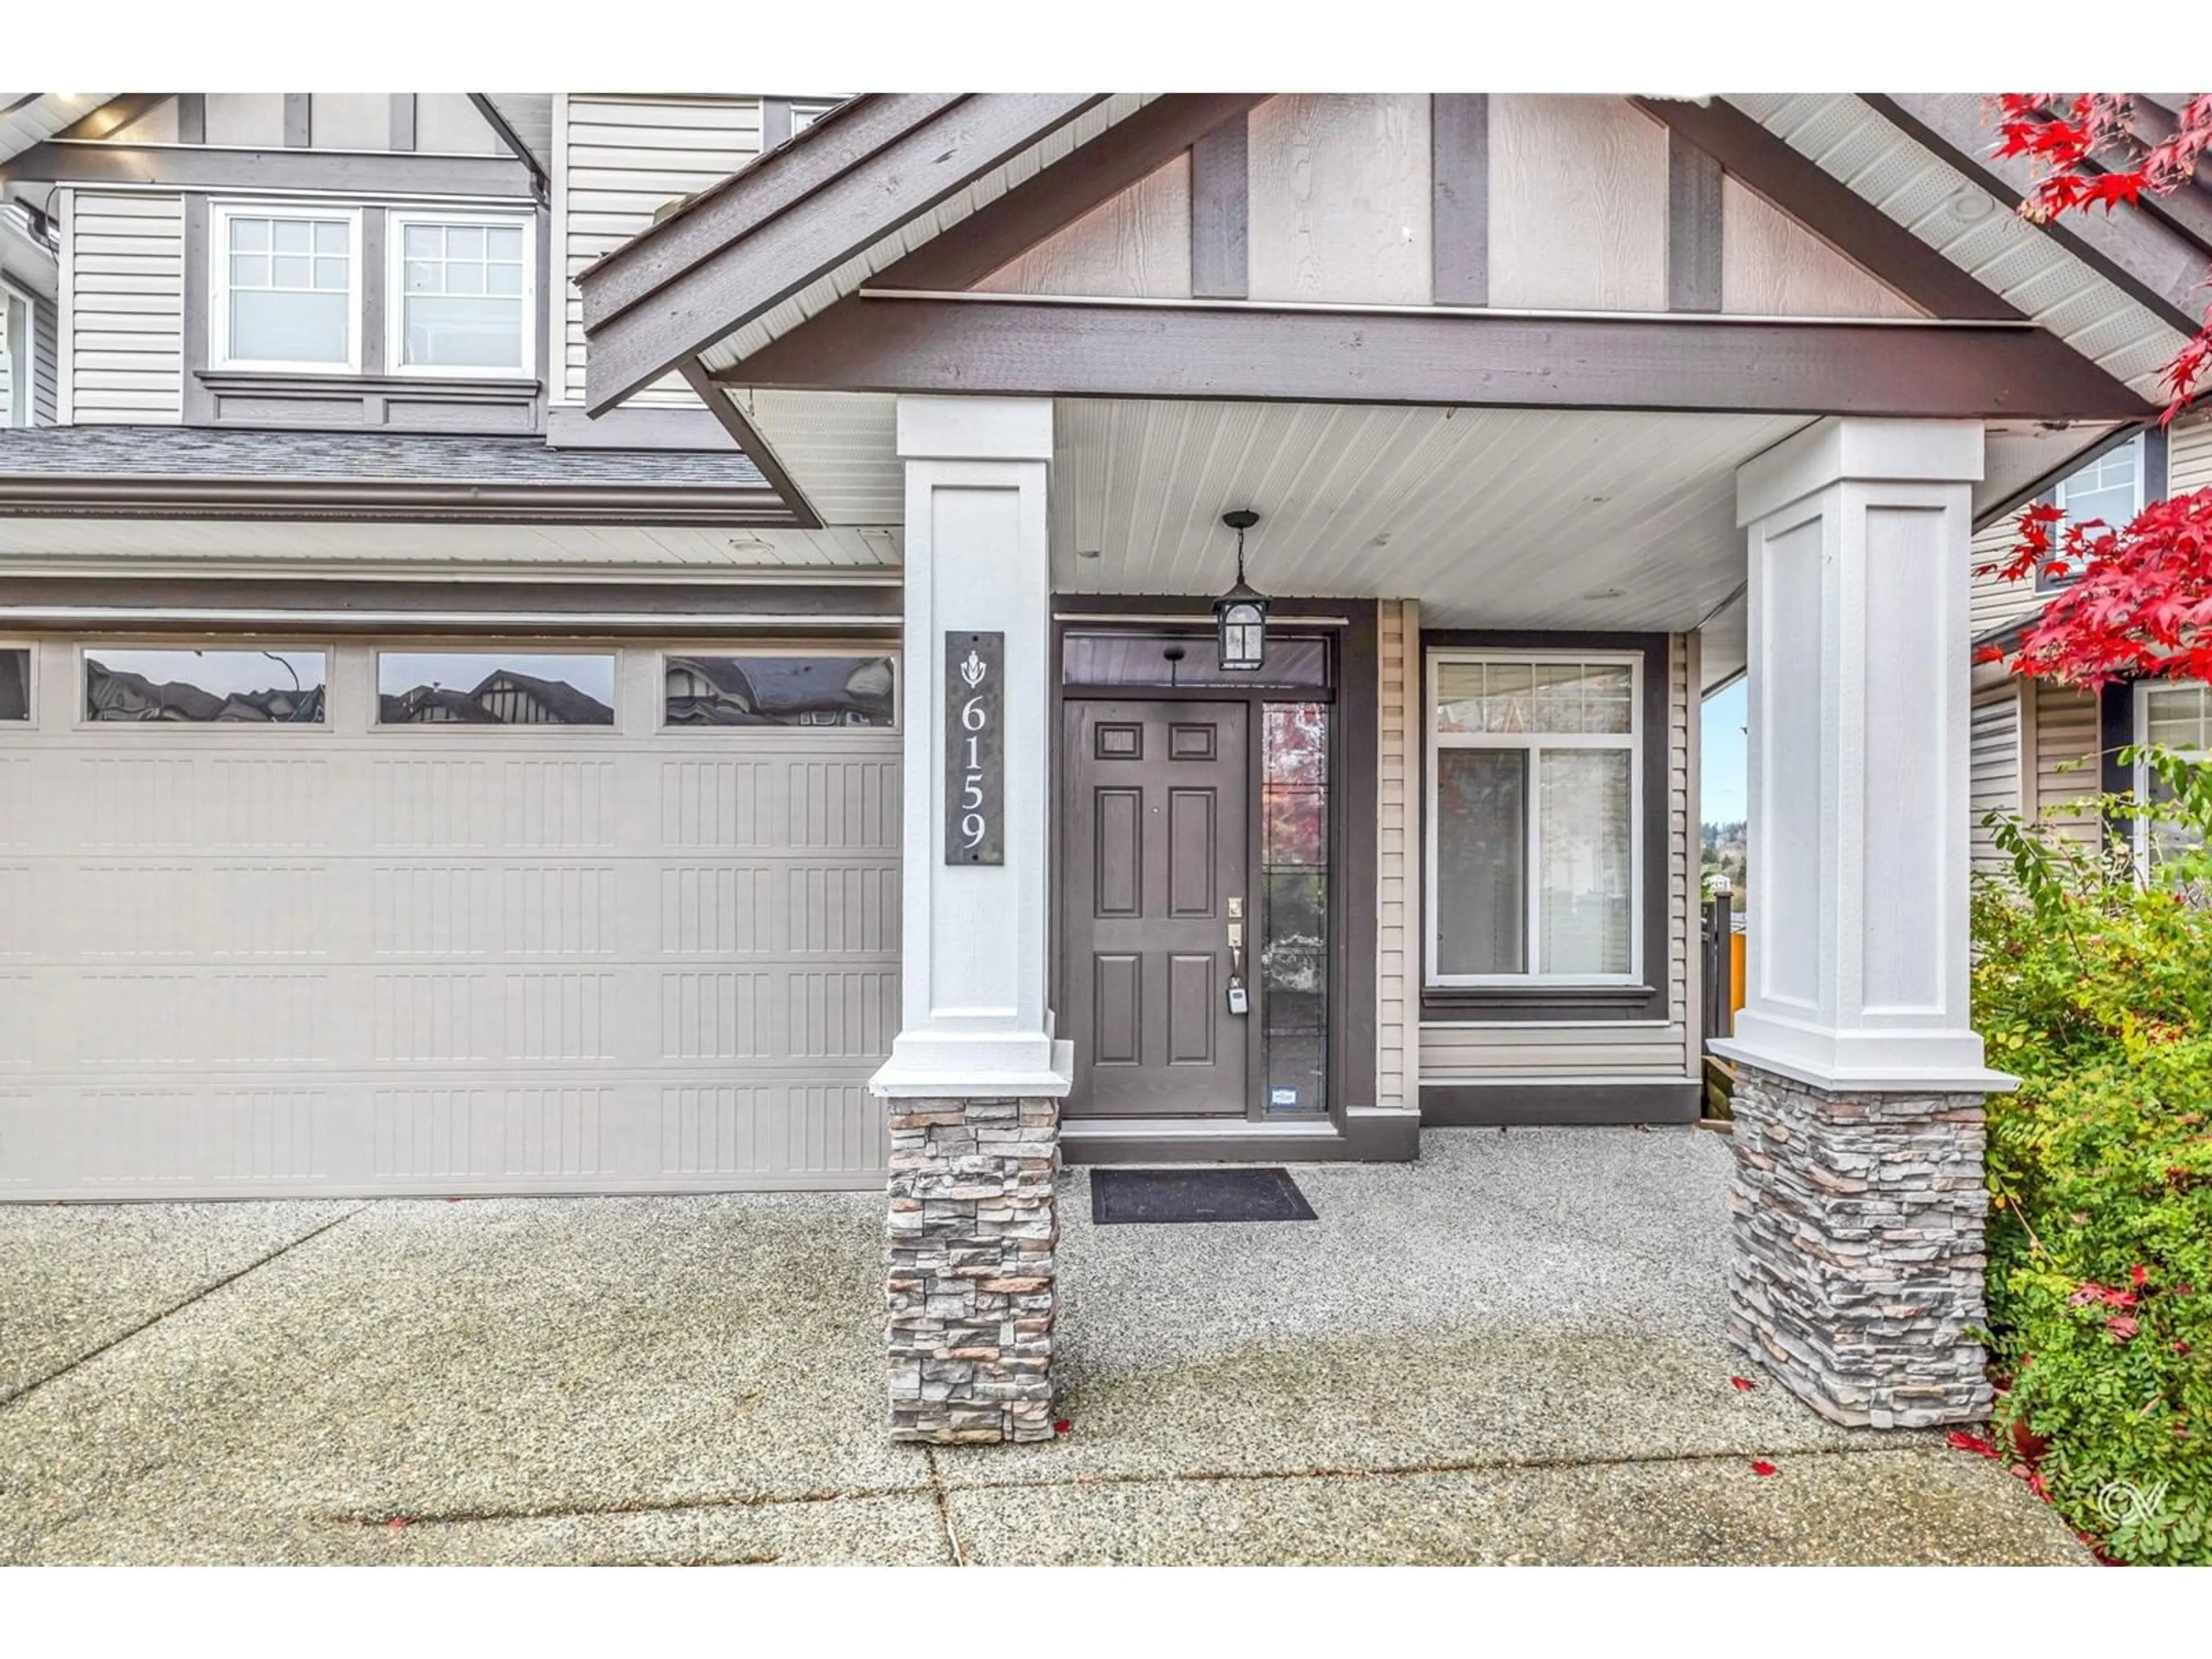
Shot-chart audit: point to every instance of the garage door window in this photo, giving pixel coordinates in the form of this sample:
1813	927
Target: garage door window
15	683
495	688
196	688
769	689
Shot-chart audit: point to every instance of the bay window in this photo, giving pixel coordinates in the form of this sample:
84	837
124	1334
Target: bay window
1533	813
287	289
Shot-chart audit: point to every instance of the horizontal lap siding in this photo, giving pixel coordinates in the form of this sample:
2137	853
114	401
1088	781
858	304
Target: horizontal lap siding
1398	895
2188	456
126	257
1471	1052
1991	601
45	353
1994	777
2066	733
620	160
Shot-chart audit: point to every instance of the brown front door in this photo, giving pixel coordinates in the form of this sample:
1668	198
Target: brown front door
1156	853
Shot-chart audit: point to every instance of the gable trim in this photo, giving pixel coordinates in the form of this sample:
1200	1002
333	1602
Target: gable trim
1799	188
695	303
1125	155
1036	346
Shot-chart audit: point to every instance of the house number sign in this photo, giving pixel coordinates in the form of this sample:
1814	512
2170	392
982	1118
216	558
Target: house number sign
975	748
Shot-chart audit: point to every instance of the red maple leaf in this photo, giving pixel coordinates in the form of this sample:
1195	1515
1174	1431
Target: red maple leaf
1961	1441
1760	1466
2123	1327
1060	1426
1742	1384
2138	1277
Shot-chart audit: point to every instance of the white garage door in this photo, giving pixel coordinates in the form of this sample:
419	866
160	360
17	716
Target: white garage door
337	918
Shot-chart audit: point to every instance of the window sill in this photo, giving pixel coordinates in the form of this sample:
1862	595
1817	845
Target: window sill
503	389
1502	1003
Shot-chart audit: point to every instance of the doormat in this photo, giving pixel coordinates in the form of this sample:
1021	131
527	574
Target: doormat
1119	1196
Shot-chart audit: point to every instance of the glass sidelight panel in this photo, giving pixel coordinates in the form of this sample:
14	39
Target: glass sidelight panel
15	683
1292	964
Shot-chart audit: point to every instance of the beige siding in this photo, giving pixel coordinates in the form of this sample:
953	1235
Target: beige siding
1339	187
447	124
125	255
1577	204
1994	772
45	348
1992	602
349	120
1398	900
1772	266
2066	732
617	161
1134	245
252	119
1469	1051
2189	455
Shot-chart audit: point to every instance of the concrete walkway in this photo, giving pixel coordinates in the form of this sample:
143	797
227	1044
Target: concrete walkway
1510	1352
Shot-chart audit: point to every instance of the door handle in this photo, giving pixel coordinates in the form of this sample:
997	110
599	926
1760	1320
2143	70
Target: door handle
1235	950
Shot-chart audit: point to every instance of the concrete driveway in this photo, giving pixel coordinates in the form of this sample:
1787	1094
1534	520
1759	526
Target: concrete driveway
1510	1352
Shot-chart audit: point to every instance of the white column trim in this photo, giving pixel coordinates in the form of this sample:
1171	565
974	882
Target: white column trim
974	962
1858	554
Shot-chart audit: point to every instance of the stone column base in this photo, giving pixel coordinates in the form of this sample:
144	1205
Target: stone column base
973	1229
1856	1245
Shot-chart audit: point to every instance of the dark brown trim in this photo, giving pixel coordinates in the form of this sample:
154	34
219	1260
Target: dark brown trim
192	117
1118	158
1694	225
67	496
1354	784
505	129
188	602
299	120
1220	214
709	221
695	302
1794	185
96	125
1597	1004
403	120
1459	201
1030	347
221	167
1484	1105
743	432
2148	259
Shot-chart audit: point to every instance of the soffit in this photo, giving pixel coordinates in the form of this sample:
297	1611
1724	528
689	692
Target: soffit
32	117
1967	225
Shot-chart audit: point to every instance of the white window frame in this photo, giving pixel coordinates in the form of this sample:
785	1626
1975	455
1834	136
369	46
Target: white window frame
688	733
2139	778
1531	743
2136	448
220	214
395	293
22	376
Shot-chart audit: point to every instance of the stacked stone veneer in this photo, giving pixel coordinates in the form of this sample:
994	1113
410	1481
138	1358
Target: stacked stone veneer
973	1230
1857	1266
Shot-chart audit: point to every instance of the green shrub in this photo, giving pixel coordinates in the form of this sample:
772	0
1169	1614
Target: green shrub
2097	991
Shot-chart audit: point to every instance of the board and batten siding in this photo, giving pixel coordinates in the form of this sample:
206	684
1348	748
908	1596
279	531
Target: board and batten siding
1993	779
1398	856
1468	1051
123	267
618	160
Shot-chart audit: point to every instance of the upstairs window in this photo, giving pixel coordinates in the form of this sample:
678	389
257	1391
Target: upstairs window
463	288
2110	489
287	290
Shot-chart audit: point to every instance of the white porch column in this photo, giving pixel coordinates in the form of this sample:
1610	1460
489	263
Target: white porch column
1858	1196
974	1077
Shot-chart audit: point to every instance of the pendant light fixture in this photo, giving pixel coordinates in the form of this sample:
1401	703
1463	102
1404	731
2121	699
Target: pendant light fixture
1241	615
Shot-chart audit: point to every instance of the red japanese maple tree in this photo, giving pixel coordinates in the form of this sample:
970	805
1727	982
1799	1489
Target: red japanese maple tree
2141	601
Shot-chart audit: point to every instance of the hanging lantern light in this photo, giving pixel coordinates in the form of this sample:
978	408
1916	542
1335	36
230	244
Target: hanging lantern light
1241	614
